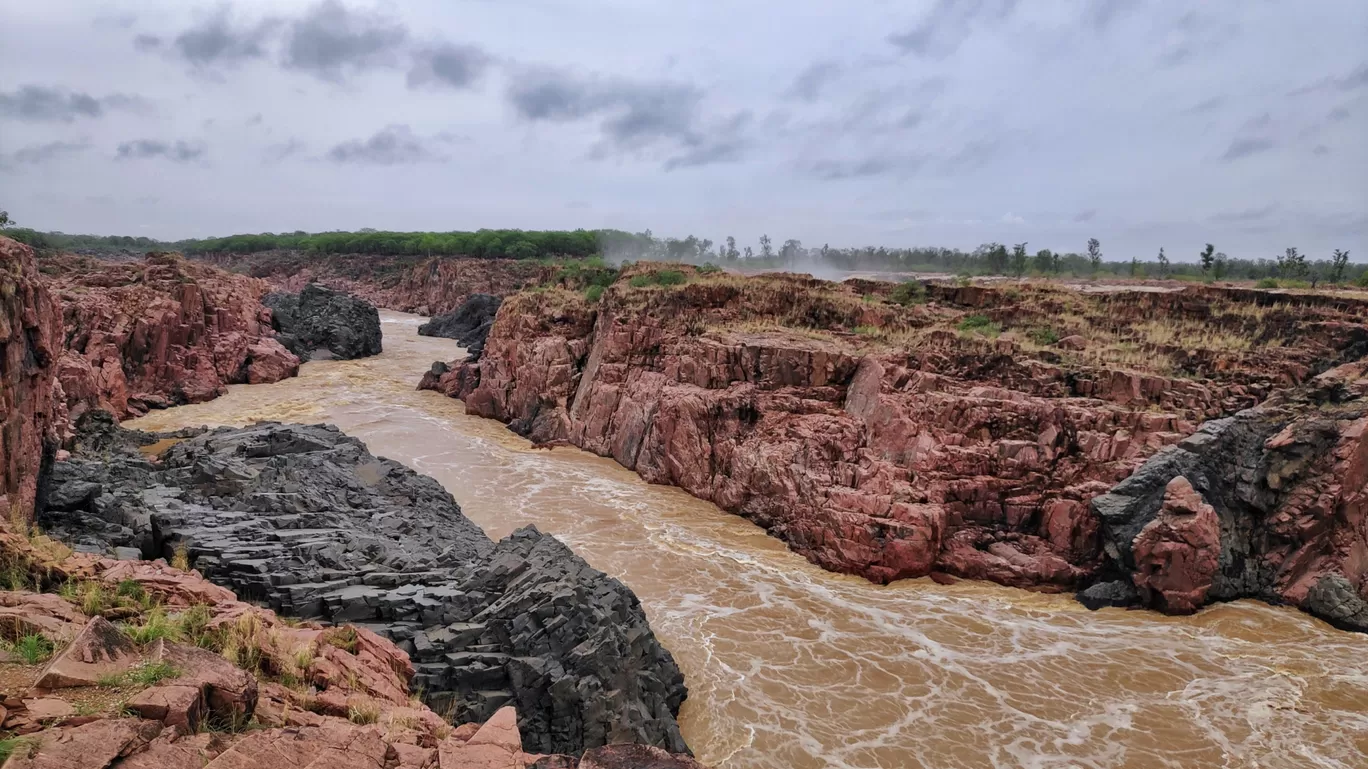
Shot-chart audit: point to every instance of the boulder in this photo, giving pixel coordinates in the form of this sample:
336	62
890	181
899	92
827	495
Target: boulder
95	745
99	650
469	324
320	319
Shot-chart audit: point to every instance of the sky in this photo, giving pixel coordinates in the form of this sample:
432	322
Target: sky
1143	123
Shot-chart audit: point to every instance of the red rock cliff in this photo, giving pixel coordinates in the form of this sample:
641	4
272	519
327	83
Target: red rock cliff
883	440
30	343
161	332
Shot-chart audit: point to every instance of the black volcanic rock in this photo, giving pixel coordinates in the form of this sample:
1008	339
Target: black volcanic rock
306	520
319	318
469	324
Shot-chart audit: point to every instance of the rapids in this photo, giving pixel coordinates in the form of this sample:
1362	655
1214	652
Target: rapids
791	667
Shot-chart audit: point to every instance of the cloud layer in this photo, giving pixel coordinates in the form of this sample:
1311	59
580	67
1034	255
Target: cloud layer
1145	124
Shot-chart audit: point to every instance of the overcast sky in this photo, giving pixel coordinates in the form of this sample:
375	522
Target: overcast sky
1145	123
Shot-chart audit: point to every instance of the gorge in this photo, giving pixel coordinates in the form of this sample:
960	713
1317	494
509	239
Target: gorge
790	665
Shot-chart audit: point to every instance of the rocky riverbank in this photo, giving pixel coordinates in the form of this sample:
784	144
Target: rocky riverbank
307	521
469	324
321	323
897	431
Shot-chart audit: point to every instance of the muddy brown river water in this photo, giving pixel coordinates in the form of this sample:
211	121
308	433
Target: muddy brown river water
791	667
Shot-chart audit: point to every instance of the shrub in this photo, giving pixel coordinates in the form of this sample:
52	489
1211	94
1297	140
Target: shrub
33	648
593	294
909	293
639	281
1043	336
1362	282
152	673
709	268
669	277
341	637
978	324
363	712
14	746
156	625
1266	283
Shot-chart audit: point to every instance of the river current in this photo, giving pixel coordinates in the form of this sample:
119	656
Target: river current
792	667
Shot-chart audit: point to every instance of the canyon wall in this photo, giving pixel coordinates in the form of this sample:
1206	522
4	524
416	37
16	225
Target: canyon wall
422	285
890	438
31	405
160	332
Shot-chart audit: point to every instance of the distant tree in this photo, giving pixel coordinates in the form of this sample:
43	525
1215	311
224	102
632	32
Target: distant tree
1094	254
1044	261
704	249
1219	264
1019	259
1135	267
1292	264
766	246
749	252
1208	257
995	256
5	221
1337	264
732	254
1163	264
791	250
826	251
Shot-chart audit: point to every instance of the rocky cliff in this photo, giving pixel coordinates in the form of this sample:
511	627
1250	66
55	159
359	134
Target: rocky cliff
161	332
896	431
1269	503
307	521
468	324
426	286
31	405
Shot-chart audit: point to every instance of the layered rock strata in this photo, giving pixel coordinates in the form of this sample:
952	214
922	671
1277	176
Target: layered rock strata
307	521
893	440
158	333
319	323
1270	503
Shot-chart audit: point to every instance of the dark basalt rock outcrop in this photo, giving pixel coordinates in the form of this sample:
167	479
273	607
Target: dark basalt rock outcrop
306	520
1271	503
319	318
469	324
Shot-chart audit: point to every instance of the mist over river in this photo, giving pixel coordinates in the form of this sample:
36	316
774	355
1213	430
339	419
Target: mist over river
791	667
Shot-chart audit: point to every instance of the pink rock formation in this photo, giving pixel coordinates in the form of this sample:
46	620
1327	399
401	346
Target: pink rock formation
30	344
1176	554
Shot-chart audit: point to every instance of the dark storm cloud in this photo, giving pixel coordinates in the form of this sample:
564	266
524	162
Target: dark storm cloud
38	154
810	82
948	24
330	41
219	40
449	65
393	145
147	149
48	104
726	142
1243	148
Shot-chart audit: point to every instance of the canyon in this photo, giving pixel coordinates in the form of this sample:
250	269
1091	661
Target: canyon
1164	449
896	440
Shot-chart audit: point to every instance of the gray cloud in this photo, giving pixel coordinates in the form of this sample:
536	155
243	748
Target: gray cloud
1085	216
146	149
392	145
1244	216
38	154
1243	148
1356	79
810	82
48	104
446	64
634	115
145	42
219	40
329	41
873	165
1205	106
948	24
286	149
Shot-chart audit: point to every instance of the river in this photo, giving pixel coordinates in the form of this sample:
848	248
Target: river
791	667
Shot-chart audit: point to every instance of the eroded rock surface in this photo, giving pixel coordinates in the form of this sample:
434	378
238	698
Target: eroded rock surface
30	407
896	441
320	323
309	522
1269	503
469	324
161	332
